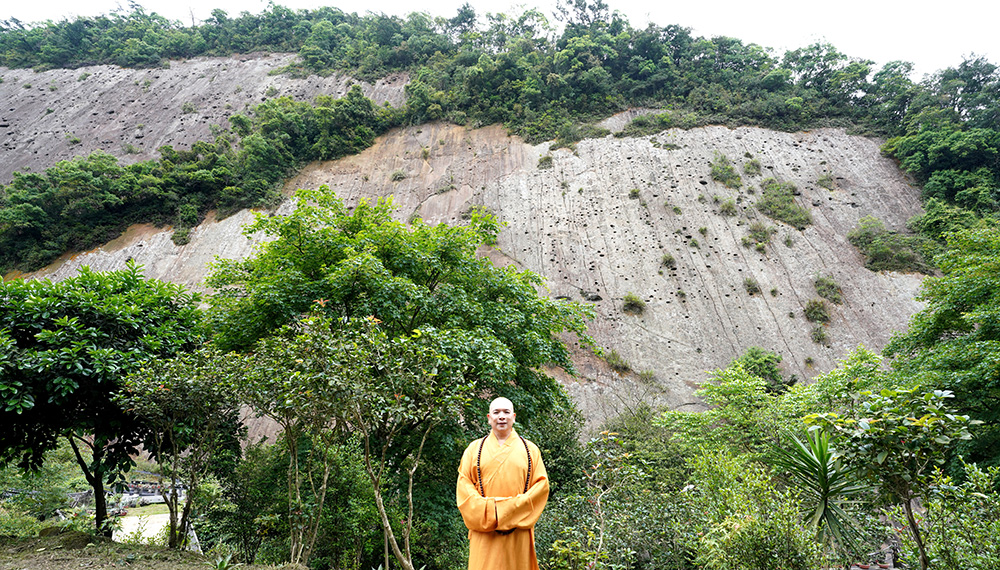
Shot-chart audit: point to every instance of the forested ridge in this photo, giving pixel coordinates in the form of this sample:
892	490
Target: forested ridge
541	81
348	318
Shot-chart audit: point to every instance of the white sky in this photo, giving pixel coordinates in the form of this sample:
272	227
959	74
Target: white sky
931	35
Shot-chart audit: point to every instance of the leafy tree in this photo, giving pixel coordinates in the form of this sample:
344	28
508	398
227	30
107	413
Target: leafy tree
897	437
954	341
421	284
962	517
363	263
192	416
64	349
292	378
764	364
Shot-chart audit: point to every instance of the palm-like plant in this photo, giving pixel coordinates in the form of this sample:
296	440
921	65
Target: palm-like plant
827	483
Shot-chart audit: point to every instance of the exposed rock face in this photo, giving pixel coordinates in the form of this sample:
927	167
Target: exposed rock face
597	225
132	112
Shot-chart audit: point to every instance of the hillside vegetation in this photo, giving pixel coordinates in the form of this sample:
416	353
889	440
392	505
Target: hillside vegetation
514	69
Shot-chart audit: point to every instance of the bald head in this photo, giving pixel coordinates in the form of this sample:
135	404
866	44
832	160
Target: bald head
501	418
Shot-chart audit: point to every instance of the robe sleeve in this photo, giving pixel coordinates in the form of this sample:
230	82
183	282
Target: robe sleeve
523	510
478	512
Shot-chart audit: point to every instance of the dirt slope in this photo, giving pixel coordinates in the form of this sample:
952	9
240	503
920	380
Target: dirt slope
579	224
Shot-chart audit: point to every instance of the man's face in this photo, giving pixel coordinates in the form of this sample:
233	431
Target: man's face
501	417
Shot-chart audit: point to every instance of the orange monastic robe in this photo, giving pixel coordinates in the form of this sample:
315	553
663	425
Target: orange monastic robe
506	506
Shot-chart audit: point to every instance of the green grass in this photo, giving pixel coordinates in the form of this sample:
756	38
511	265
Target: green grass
826	181
885	250
147	510
728	207
759	236
818	334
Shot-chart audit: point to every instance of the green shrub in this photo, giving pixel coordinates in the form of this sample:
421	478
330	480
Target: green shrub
891	251
397	175
633	305
752	167
646	125
728	207
817	312
545	162
751	286
962	520
188	107
759	235
14	522
818	334
668	261
746	523
827	288
694	243
826	181
633	193
616	361
777	202
723	171
703	230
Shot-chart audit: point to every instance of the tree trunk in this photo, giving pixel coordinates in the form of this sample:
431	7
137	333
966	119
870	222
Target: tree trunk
915	529
101	508
96	480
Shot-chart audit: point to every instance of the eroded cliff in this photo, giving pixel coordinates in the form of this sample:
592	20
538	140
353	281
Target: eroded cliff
596	224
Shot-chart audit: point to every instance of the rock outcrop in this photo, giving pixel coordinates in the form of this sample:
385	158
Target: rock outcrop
597	225
58	114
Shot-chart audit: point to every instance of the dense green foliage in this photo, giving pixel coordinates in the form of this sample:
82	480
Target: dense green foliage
422	285
886	250
192	419
897	437
87	201
63	349
516	68
723	171
954	342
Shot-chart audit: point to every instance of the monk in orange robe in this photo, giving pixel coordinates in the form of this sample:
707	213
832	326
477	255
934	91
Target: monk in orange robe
502	489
